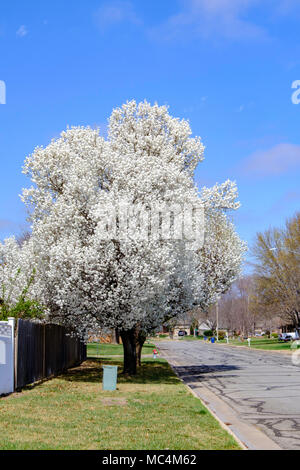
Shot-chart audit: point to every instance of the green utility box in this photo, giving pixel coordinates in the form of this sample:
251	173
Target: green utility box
110	374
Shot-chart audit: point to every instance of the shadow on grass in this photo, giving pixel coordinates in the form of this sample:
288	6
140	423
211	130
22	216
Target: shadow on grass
151	371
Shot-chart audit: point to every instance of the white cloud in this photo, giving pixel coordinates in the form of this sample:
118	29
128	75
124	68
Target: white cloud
116	12
275	161
22	31
212	19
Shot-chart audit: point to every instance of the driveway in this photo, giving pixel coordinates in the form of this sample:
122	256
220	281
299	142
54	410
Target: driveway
262	388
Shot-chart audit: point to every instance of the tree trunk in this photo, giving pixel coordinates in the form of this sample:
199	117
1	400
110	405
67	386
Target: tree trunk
117	336
141	338
129	340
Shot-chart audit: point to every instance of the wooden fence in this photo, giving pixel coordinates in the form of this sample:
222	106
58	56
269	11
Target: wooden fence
44	350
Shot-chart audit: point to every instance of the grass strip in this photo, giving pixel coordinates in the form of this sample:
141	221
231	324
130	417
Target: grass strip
151	411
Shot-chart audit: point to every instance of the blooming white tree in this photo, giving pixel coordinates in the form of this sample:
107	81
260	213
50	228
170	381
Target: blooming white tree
148	159
220	258
19	291
101	256
12	278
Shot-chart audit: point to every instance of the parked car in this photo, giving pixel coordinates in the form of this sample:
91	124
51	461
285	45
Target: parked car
284	337
182	333
288	336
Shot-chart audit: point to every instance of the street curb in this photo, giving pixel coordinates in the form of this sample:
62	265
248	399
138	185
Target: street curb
248	436
223	425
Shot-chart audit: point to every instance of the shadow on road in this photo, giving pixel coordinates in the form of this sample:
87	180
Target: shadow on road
197	373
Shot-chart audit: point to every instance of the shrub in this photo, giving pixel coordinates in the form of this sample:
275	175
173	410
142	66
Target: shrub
222	334
24	308
208	333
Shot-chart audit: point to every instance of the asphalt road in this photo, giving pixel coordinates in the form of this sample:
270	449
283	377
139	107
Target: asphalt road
263	388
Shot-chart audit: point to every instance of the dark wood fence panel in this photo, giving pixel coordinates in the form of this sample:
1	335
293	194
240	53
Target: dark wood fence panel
44	350
30	353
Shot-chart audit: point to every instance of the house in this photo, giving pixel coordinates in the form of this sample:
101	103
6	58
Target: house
203	326
181	327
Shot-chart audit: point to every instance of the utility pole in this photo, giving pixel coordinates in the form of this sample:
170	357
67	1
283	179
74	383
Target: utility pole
217	315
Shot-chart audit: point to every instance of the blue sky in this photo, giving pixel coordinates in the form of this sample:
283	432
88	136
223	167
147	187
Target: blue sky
226	65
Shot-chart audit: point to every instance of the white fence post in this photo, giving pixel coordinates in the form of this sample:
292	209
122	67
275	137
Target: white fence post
7	361
11	322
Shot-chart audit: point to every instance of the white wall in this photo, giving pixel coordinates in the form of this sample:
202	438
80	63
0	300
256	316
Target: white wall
7	356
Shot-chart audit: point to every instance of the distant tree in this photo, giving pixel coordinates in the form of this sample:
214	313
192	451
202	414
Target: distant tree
235	312
23	237
277	272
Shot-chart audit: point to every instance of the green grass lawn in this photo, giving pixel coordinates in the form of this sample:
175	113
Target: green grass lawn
191	338
256	343
152	410
103	349
263	343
